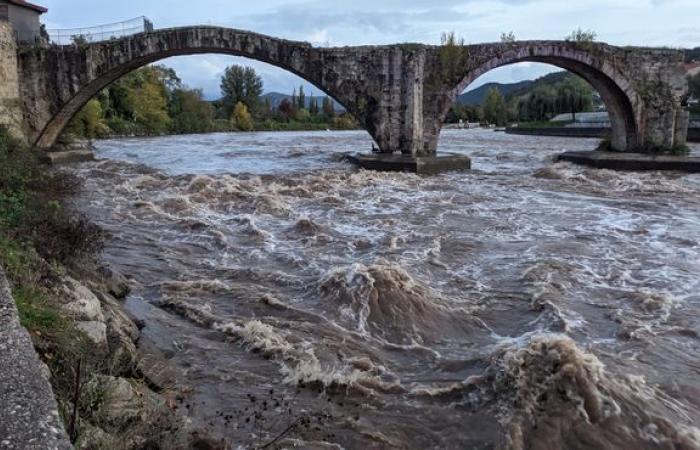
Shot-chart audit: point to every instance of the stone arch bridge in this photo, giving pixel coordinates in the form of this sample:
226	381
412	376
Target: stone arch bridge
400	93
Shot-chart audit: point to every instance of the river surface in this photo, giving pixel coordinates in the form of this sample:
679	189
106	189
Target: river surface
301	302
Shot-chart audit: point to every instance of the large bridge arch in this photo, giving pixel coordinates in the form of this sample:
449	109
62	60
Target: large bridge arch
107	62
642	88
614	87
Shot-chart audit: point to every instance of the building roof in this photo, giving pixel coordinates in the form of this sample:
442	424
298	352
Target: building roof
32	6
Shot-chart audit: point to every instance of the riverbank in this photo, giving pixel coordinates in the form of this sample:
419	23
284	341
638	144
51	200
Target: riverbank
108	393
580	132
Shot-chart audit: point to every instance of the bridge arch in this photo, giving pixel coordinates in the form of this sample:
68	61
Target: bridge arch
104	63
599	71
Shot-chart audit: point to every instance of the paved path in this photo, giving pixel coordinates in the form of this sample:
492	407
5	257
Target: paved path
28	412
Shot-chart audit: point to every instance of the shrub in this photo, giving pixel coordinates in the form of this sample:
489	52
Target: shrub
582	36
241	118
508	38
31	207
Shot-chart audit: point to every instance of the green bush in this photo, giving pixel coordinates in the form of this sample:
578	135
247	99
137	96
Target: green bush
123	127
31	207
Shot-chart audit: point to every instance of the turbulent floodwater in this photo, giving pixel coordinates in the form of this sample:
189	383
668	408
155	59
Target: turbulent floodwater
526	304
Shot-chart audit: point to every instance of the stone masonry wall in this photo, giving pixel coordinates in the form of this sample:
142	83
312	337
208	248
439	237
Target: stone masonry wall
10	104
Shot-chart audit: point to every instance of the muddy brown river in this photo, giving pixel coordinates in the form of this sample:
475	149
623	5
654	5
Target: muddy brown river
303	303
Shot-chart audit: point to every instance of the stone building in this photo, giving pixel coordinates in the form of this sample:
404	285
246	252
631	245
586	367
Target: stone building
24	18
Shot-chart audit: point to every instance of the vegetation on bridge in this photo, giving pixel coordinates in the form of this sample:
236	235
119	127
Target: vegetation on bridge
154	101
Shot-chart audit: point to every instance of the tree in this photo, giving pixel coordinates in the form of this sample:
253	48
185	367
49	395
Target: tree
303	115
190	112
313	106
149	102
288	110
266	112
241	118
241	85
574	95
465	113
328	108
301	101
167	76
89	121
495	108
454	57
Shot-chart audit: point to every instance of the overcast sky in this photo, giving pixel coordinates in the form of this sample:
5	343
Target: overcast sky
674	23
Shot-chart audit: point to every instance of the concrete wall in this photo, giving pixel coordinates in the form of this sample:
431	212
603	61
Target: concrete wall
28	411
11	115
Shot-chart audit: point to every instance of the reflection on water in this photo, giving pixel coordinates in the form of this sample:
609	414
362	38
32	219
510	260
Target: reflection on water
526	304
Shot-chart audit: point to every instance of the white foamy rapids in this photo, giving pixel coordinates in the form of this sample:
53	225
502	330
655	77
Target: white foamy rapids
550	393
644	314
296	357
610	180
298	361
194	287
549	282
384	301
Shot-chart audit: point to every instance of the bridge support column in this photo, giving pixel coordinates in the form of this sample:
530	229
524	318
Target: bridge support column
664	128
680	137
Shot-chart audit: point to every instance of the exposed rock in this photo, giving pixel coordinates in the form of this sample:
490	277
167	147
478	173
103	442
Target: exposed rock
119	404
91	438
70	157
96	331
82	304
153	365
116	284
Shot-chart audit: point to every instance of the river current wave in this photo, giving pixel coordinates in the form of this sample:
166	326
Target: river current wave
525	304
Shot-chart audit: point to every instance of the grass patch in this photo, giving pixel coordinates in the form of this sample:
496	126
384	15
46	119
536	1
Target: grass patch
37	314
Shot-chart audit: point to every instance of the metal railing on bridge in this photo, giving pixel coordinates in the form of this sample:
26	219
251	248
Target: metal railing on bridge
101	33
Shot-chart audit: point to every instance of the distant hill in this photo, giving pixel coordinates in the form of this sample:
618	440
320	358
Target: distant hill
276	98
477	96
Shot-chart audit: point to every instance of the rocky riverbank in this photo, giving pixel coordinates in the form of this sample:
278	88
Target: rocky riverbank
106	390
110	394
